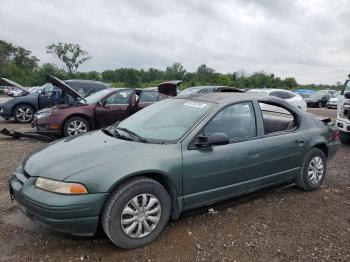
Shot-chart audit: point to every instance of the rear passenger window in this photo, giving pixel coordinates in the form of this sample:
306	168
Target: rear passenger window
236	121
147	96
276	118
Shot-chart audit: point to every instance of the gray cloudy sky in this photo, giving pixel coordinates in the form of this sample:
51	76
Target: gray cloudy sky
307	39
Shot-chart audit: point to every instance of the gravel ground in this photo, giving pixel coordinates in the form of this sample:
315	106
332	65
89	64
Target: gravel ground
278	224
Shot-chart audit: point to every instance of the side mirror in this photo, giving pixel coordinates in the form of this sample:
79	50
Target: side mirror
347	95
215	139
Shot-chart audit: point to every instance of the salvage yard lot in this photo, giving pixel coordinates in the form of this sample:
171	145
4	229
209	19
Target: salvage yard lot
278	224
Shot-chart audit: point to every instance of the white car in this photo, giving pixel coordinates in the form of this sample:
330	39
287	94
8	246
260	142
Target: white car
289	96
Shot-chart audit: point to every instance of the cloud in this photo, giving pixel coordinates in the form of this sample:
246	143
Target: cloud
304	39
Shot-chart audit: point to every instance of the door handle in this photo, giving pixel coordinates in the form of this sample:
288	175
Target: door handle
253	154
299	142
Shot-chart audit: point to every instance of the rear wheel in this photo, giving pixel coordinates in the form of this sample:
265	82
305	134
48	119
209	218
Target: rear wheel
76	125
136	213
313	170
344	138
23	113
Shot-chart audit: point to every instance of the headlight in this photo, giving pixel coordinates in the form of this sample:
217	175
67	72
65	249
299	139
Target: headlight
43	114
60	187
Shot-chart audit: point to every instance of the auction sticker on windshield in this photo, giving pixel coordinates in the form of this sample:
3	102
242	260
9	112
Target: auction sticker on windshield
195	104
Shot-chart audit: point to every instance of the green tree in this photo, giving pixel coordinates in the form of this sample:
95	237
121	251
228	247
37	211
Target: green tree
175	72
70	55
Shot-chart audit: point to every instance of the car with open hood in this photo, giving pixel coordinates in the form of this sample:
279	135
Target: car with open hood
172	156
98	110
23	107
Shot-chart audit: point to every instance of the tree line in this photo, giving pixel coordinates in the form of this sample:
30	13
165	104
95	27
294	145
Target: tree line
20	65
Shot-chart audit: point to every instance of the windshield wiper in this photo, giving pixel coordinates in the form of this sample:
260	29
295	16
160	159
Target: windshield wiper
133	134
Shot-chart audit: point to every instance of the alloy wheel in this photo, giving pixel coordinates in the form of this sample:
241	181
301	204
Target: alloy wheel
24	114
141	215
315	170
76	127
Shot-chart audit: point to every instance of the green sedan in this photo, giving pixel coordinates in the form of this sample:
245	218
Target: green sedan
170	157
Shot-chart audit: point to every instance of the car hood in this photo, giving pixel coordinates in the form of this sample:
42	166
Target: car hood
64	87
13	83
169	88
66	157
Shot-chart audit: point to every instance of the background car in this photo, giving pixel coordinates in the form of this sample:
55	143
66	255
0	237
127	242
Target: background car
96	111
23	108
318	99
173	156
333	101
286	95
304	92
208	89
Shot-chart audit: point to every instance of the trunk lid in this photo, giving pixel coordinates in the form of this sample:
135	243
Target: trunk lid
169	88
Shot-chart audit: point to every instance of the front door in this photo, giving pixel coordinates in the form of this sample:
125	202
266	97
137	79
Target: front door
221	171
115	107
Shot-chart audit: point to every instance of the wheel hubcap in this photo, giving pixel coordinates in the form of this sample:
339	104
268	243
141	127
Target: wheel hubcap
315	170
24	114
141	216
76	127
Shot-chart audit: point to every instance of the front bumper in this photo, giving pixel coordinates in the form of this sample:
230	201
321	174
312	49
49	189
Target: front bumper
343	126
331	105
74	214
47	127
4	112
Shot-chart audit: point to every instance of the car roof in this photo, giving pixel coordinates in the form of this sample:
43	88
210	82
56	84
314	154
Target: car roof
268	90
222	98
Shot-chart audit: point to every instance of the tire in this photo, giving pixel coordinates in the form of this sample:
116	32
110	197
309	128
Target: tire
115	207
304	180
23	113
75	125
344	138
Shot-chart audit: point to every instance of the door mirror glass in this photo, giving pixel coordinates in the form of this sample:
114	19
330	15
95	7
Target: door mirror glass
347	95
215	139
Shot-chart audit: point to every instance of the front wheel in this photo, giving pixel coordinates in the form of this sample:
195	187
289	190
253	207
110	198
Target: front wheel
75	126
24	113
313	170
344	138
136	213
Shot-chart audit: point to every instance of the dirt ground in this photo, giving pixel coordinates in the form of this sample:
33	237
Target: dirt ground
278	224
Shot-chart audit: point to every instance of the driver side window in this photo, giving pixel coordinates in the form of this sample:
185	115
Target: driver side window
119	98
236	121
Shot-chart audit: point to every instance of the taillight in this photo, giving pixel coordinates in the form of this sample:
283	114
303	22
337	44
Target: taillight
337	135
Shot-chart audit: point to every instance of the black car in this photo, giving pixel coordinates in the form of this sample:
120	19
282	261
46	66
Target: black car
318	99
23	107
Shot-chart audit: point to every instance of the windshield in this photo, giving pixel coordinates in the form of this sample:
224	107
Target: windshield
257	91
97	96
318	94
166	121
190	91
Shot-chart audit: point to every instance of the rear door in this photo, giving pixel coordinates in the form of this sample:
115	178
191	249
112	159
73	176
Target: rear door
284	142
115	107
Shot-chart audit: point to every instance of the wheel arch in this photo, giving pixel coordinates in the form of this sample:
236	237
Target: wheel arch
22	103
323	147
87	118
162	179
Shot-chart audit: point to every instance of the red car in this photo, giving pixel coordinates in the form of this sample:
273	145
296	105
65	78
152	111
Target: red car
98	110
